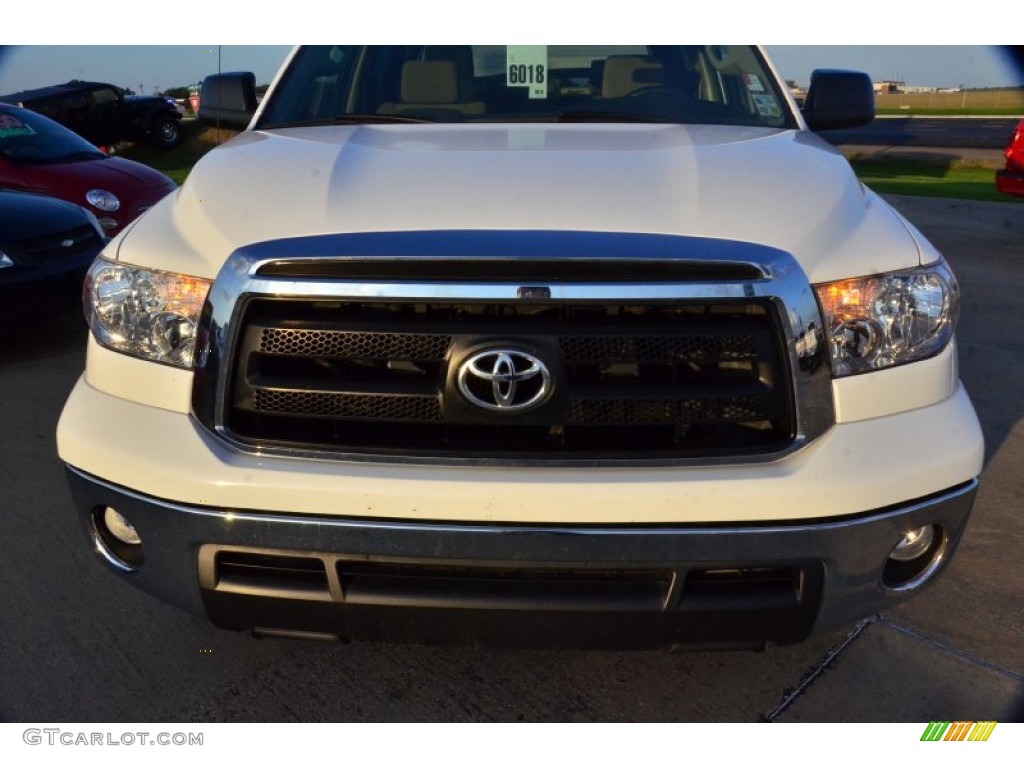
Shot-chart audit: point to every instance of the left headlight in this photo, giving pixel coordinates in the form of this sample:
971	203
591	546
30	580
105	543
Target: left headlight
886	320
142	312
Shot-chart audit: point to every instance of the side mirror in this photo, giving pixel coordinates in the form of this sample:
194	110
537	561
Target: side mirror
838	98
228	100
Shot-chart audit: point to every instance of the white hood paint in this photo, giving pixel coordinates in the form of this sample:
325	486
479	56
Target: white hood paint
786	189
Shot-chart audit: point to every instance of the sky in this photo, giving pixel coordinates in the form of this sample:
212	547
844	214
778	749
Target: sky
150	68
927	46
129	66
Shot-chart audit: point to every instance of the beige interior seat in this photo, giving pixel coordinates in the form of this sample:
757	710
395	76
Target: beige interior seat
462	55
625	74
431	88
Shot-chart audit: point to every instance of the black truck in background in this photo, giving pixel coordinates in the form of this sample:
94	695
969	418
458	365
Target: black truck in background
102	114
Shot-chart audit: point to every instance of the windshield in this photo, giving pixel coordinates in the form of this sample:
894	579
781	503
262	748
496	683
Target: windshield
710	84
27	138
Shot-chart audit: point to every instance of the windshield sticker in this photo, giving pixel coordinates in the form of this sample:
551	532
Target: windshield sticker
526	66
753	83
766	105
12	126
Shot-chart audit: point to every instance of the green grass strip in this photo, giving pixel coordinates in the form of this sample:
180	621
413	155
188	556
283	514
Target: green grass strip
906	177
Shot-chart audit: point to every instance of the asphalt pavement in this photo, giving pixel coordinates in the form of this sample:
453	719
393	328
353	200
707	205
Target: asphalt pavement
941	156
924	131
77	644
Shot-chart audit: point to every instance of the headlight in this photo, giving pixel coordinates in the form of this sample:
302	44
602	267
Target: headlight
105	201
5	260
885	320
144	312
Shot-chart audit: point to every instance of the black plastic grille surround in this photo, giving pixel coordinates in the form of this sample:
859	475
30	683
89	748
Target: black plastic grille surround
519	604
631	380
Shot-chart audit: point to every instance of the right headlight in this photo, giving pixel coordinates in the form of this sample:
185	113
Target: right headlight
886	320
143	312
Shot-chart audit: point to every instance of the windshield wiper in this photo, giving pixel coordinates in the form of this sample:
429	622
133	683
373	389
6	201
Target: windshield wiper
375	118
608	116
348	119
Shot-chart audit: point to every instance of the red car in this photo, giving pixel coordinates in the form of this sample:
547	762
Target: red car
39	155
1011	179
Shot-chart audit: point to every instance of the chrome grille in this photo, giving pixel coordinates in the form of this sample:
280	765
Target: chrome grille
663	349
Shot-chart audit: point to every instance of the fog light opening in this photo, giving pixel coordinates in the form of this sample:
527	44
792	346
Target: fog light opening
116	539
915	558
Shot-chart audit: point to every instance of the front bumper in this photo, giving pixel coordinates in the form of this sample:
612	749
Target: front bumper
517	584
1009	182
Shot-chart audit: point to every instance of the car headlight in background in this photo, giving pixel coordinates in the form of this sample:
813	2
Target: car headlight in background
886	320
142	312
105	201
5	260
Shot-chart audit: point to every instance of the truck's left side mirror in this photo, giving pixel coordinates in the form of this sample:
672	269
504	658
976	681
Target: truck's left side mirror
839	98
228	100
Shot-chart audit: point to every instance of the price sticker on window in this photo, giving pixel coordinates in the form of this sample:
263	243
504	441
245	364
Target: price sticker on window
527	67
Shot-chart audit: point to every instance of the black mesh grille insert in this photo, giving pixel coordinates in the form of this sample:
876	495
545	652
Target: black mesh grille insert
349	406
657	349
707	410
630	380
403	346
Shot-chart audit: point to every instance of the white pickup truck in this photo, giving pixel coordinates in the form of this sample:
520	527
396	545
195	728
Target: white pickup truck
541	345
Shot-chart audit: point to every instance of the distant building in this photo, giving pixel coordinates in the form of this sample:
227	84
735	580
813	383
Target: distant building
890	86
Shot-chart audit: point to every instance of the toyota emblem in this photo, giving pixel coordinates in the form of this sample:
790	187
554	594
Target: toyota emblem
506	380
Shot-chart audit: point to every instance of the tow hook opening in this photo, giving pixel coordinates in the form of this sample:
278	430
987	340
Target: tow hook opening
915	558
116	539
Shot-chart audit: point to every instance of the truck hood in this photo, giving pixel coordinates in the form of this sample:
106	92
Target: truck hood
783	188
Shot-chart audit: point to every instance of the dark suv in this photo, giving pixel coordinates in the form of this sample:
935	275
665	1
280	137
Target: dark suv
102	114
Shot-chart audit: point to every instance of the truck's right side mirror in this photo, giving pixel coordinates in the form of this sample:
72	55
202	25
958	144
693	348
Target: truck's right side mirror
839	98
228	100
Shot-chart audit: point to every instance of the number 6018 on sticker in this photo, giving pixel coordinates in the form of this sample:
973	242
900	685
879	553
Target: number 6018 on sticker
527	67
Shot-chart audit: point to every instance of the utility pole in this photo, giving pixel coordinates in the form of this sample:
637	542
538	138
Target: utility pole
218	94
